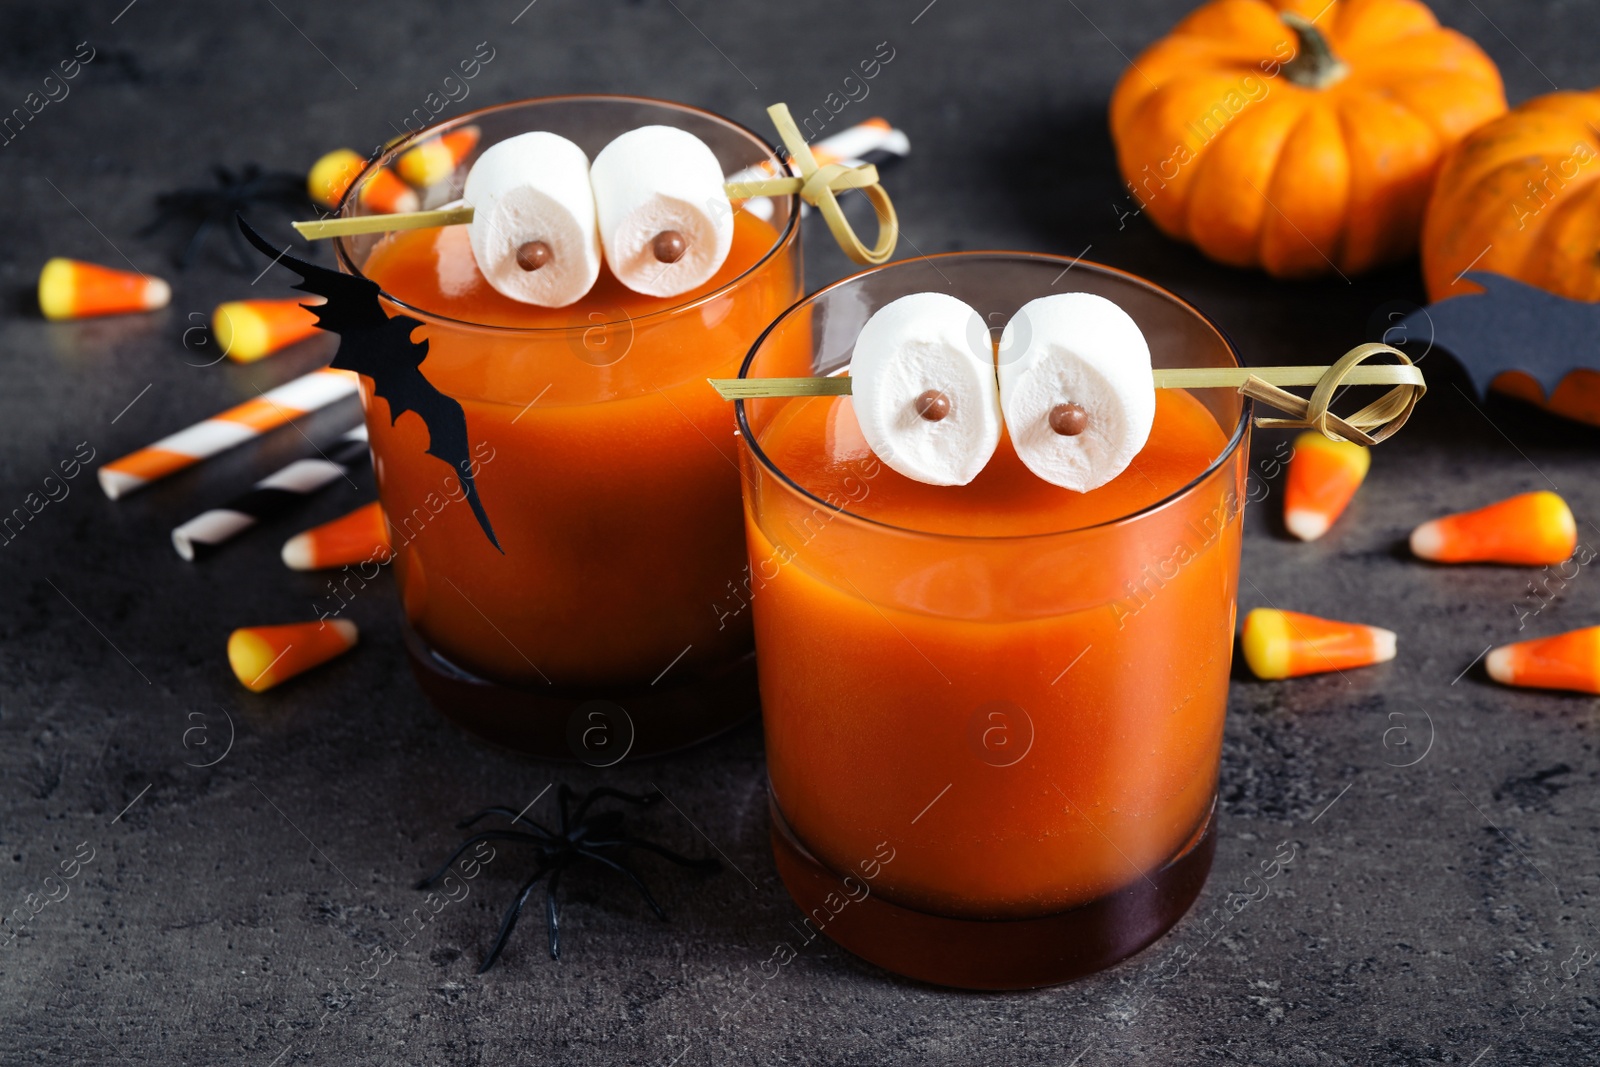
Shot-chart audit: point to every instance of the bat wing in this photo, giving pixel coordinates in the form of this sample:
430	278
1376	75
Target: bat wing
378	346
1510	326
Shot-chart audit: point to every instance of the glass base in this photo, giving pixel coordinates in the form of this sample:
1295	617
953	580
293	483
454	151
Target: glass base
600	726
997	954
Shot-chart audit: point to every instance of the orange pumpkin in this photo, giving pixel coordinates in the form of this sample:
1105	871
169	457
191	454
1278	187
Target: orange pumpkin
1521	197
1304	148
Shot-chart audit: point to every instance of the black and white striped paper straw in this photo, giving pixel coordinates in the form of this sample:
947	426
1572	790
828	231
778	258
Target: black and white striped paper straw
270	497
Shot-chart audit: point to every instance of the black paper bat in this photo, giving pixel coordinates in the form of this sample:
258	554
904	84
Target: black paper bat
1510	326
379	346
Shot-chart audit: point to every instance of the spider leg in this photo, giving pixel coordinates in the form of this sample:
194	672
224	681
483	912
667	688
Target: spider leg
705	863
240	249
510	919
552	923
564	797
488	835
606	791
165	213
508	813
601	827
290	193
195	242
638	882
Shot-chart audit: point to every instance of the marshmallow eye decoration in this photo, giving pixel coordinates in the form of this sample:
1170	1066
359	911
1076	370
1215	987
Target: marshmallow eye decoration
665	219
653	204
927	401
533	230
1076	388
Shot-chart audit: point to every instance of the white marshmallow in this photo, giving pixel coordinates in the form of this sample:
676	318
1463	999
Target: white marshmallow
454	264
534	187
1082	349
659	178
920	342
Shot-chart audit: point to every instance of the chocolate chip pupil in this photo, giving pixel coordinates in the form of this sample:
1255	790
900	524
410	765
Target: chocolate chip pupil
669	246
533	255
1068	420
932	405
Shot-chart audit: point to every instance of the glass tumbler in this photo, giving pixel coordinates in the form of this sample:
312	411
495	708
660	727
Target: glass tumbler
992	760
606	465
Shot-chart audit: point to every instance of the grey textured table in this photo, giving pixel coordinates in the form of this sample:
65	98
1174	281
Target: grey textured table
1430	908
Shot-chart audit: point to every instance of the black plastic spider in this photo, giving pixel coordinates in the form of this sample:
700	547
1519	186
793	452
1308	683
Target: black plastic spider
234	194
595	838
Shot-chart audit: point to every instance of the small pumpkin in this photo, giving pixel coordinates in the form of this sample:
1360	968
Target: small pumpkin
1303	147
1521	197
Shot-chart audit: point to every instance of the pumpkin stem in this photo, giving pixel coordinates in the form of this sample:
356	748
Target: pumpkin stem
1314	65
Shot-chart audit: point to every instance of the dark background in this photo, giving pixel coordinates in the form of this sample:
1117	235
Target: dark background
1426	918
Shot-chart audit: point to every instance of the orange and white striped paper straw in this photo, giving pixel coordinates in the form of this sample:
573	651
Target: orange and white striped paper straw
274	408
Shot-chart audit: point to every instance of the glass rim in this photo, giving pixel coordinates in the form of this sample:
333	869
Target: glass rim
393	149
1240	429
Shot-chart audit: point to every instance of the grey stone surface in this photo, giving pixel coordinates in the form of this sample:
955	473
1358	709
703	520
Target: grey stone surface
1430	909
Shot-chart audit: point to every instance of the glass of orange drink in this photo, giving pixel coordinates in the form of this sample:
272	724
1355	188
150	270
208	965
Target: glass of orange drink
993	712
609	469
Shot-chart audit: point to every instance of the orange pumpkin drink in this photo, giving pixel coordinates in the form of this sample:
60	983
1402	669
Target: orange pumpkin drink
607	469
993	710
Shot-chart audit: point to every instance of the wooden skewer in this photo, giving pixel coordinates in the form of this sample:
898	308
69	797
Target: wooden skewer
461	214
1233	377
457	215
758	388
1166	378
1372	424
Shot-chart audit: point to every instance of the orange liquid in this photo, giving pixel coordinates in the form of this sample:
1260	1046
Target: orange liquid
607	467
1006	499
1030	722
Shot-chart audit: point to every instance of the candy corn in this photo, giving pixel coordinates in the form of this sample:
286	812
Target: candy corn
435	160
332	174
72	289
330	179
385	193
1323	476
265	656
1287	644
358	537
1534	528
250	329
1565	661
